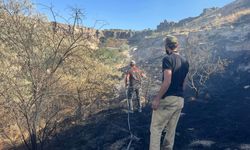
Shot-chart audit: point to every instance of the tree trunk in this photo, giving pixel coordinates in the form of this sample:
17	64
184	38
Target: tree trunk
79	111
33	141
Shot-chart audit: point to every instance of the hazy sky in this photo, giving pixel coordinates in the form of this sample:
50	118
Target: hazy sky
131	14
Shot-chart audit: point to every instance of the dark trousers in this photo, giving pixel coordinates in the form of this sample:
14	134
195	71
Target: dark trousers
130	93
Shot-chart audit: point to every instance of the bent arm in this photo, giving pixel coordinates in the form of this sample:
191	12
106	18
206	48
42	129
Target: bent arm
143	75
165	84
127	79
164	87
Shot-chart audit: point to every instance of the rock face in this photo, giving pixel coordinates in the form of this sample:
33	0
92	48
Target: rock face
170	25
166	25
118	34
208	11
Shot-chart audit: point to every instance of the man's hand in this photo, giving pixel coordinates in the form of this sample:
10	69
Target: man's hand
127	79
144	75
126	85
155	103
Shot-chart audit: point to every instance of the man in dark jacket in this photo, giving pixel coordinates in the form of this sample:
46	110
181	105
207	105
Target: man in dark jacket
169	101
133	82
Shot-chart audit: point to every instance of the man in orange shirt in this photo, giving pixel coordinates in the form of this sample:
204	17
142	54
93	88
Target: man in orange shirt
133	82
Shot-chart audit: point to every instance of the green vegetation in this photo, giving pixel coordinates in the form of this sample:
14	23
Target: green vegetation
110	55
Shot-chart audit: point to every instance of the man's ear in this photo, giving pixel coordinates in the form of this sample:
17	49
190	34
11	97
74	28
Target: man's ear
168	52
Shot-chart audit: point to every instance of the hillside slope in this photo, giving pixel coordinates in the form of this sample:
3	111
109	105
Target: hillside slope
218	122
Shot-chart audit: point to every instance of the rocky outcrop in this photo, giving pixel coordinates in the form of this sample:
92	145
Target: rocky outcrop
118	34
169	25
208	11
166	25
